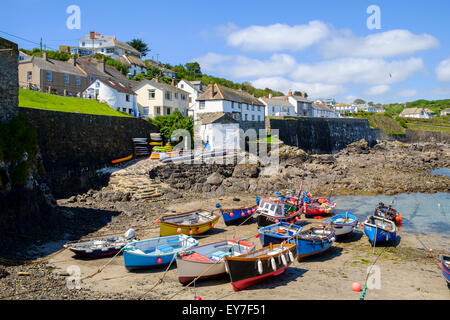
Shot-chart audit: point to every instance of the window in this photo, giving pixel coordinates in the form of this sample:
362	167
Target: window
259	108
245	117
91	79
29	76
253	117
168	95
151	94
83	44
158	110
232	105
49	76
273	109
259	117
176	95
168	111
78	81
182	86
247	107
201	105
145	111
97	84
183	97
127	98
253	108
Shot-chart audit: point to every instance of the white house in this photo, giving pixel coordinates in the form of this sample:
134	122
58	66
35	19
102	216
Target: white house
241	105
194	90
111	47
157	99
303	106
322	111
219	129
445	112
344	108
277	107
117	95
421	113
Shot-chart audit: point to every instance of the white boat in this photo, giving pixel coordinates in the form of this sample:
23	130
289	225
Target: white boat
208	261
342	224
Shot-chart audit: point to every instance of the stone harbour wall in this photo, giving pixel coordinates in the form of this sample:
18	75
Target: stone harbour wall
9	86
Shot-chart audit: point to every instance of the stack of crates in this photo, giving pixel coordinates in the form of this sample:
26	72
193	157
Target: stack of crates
140	147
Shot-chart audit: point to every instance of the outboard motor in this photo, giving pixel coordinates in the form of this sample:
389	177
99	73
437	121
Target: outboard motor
130	234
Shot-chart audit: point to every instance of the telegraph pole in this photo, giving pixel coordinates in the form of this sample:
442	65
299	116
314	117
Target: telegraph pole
41	45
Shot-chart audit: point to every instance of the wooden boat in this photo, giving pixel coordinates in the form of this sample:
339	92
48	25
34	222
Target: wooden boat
208	261
389	213
98	248
314	241
155	252
190	223
277	233
381	229
238	215
445	266
313	206
122	159
272	211
342	224
248	269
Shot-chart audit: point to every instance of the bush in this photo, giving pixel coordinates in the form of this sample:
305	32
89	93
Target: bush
169	123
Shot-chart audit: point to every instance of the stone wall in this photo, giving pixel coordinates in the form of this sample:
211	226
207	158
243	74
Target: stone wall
414	136
321	135
9	88
257	125
74	146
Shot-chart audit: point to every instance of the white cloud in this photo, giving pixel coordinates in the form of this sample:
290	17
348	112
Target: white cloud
408	93
377	90
439	91
358	70
210	61
277	37
384	44
314	90
443	71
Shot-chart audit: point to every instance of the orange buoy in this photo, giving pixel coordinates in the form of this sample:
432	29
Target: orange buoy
197	230
277	221
157	221
179	230
211	225
356	286
243	214
190	232
398	218
159	260
257	236
197	298
231	214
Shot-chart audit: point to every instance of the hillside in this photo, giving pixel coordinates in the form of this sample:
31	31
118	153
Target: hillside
45	101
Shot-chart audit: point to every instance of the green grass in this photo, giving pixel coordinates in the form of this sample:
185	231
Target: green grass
418	126
51	102
269	139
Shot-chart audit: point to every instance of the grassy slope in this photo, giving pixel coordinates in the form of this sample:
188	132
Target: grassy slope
45	101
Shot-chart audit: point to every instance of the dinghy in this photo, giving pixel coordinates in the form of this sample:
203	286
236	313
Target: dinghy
445	266
342	224
379	229
389	213
208	261
277	233
313	206
314	241
190	223
272	211
155	252
101	248
248	269
237	216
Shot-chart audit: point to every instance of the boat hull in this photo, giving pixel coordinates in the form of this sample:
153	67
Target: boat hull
266	220
237	216
170	229
379	235
445	270
341	229
306	248
245	273
267	238
190	270
95	254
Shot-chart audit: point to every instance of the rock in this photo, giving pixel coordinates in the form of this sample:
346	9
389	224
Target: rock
172	195
72	199
215	179
246	171
3	273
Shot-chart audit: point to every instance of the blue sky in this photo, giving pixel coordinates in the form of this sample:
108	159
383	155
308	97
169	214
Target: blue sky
322	47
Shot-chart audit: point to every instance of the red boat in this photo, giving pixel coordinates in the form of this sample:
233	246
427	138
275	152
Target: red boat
314	207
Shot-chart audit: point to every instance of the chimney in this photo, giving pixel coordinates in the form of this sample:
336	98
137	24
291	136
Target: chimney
290	93
92	35
303	94
212	89
173	81
101	66
45	56
73	61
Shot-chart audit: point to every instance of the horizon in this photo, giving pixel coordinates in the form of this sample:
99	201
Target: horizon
328	52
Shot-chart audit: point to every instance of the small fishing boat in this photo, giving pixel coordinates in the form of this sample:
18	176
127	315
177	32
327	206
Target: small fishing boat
248	269
389	213
313	206
277	233
445	266
155	252
272	211
314	241
238	215
190	223
342	224
101	248
208	261
379	229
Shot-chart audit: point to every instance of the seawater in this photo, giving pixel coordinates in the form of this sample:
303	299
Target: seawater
441	171
421	213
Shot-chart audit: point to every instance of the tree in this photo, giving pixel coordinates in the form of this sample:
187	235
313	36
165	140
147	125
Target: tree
359	101
140	46
300	93
193	68
370	103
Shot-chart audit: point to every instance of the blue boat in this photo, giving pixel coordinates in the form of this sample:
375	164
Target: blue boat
277	233
155	252
314	241
379	229
238	215
342	224
445	266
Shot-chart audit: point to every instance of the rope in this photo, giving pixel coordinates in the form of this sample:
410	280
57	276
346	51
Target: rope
368	273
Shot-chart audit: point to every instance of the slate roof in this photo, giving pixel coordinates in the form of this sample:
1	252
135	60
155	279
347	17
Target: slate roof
277	102
218	92
216	117
118	86
159	85
54	65
89	66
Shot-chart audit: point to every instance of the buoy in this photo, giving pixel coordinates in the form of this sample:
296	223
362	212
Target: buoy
277	221
291	256
253	210
243	214
197	298
179	230
398	218
257	236
157	221
190	232
274	264
296	218
211	225
356	286
197	230
159	260
260	267
231	214
249	211
283	259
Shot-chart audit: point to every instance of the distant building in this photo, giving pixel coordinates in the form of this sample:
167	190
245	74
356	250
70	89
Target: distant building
164	71
303	106
23	56
445	112
278	107
422	113
379	109
322	111
155	98
195	89
115	94
345	108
